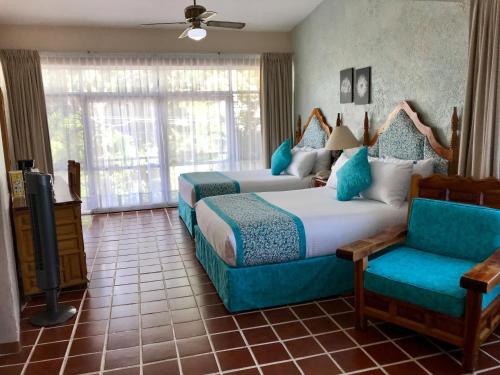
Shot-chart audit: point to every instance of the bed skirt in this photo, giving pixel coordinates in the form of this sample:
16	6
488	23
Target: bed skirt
248	288
187	214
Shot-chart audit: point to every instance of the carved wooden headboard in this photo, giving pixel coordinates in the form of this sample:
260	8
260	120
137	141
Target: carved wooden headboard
316	115
404	136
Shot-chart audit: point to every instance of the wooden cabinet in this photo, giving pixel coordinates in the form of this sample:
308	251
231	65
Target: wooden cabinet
72	264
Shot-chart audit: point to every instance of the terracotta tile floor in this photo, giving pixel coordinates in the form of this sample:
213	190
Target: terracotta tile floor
151	309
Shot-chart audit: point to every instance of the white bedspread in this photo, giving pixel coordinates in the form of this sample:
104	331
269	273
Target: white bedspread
251	182
328	223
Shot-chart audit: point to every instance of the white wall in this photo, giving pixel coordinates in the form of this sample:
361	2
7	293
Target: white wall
109	39
9	298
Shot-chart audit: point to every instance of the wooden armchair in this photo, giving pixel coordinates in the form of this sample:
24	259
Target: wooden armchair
74	177
465	317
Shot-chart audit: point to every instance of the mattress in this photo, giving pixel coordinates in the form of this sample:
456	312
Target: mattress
328	223
251	181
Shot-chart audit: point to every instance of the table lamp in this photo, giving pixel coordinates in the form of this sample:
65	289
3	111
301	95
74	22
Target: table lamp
341	139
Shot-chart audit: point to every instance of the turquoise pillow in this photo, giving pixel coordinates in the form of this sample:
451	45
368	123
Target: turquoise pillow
354	176
281	158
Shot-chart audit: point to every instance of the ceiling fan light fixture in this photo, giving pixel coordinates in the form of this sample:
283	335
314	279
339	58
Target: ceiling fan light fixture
197	33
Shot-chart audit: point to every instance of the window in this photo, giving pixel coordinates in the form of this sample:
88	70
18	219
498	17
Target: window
136	123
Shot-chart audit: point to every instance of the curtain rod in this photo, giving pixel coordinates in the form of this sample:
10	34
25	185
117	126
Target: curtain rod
147	54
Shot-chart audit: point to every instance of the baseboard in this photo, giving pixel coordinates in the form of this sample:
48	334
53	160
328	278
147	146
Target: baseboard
10	347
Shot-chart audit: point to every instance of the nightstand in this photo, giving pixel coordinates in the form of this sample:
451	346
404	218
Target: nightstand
318	182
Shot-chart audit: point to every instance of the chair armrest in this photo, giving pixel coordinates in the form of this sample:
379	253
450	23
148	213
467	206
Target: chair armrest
363	248
484	276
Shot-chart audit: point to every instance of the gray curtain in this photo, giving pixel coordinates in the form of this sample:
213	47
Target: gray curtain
479	154
26	102
276	97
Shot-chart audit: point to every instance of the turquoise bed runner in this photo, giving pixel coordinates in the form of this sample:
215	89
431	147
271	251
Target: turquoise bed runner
208	184
264	233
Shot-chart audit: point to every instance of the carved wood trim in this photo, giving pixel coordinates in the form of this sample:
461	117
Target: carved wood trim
316	112
485	192
366	130
449	154
414	317
74	177
432	323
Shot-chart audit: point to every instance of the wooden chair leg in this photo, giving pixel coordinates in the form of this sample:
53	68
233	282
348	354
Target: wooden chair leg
473	308
359	302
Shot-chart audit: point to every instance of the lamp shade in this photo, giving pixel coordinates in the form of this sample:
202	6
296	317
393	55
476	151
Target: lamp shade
341	139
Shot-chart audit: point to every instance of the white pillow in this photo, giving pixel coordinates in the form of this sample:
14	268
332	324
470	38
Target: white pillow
332	180
424	168
302	163
323	158
390	182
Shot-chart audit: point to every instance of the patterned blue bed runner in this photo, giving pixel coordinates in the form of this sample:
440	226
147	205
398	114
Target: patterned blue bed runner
208	184
264	233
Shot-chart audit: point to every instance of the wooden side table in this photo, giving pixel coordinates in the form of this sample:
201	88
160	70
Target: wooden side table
318	182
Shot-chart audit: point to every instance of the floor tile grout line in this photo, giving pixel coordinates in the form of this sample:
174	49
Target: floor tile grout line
487	369
26	363
316	339
247	345
344	330
412	358
77	319
281	341
481	349
207	333
139	305
108	323
389	339
219	367
174	336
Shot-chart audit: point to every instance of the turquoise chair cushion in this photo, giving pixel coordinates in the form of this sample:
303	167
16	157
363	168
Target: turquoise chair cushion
454	229
421	278
354	176
281	158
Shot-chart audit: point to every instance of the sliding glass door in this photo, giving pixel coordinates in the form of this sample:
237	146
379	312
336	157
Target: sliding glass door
135	124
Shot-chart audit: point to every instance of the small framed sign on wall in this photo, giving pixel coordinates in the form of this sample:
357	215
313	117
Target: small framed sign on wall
346	85
362	86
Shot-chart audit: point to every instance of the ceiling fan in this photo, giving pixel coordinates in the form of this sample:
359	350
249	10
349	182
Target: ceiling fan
197	16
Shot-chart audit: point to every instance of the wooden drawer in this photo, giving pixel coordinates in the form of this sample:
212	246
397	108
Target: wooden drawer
73	268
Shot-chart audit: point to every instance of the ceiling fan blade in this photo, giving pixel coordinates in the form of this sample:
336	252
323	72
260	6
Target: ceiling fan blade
163	23
185	33
207	15
226	24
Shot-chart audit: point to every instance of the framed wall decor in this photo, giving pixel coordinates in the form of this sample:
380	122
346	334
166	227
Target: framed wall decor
362	86
346	85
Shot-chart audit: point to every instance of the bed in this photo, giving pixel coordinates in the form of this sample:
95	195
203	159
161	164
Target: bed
197	185
269	249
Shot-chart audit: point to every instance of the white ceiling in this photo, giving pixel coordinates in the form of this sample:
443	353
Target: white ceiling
259	15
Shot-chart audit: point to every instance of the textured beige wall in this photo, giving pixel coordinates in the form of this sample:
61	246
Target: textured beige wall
417	51
97	39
